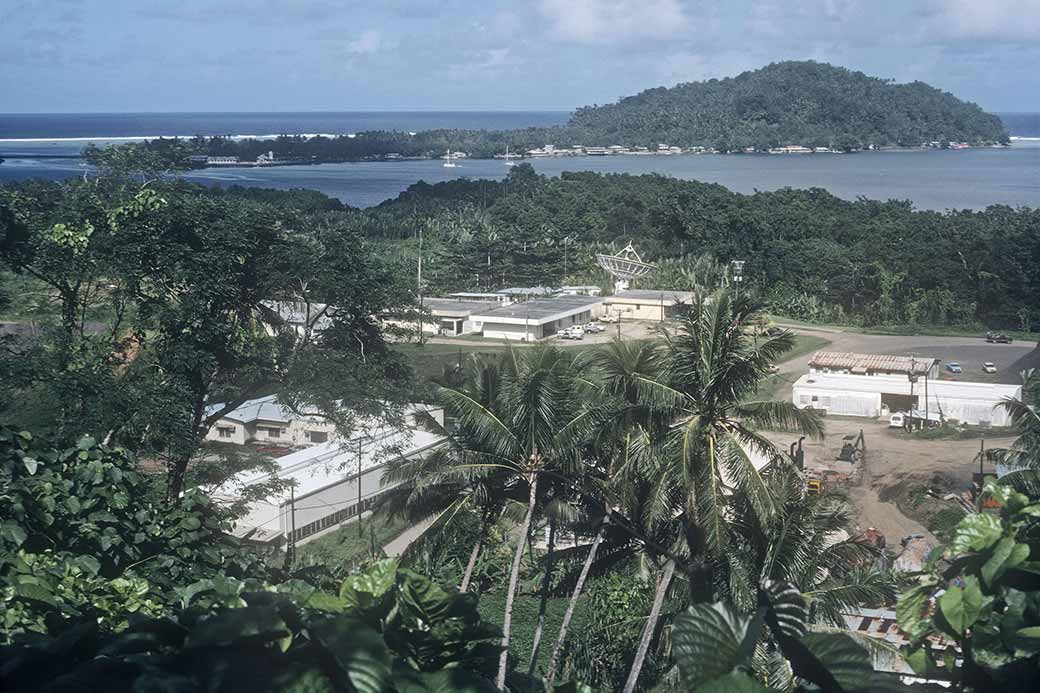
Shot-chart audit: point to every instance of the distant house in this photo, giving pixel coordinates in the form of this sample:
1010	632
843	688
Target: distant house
847	362
537	318
581	290
222	161
648	304
265	420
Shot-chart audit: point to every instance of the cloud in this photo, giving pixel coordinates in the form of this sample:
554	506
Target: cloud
614	21
370	41
482	64
986	20
686	66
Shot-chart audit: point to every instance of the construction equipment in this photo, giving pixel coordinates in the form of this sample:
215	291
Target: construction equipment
814	487
852	448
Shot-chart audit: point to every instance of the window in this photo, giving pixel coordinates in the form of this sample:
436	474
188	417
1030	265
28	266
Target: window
274	433
317	436
225	431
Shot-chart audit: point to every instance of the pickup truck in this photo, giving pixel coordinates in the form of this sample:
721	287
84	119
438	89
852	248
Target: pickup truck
574	332
997	338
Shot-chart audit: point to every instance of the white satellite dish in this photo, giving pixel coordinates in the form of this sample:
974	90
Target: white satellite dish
625	266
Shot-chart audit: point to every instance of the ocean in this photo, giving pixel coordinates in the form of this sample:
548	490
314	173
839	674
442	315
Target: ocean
972	178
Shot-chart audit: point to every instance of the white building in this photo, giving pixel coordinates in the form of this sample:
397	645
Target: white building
453	317
477	296
648	304
265	420
581	290
844	362
879	395
538	318
222	161
331	484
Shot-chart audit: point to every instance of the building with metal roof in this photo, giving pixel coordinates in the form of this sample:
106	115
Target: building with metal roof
537	318
872	364
454	317
648	304
875	396
318	489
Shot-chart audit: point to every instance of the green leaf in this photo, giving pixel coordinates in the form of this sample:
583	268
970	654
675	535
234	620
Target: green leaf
960	607
86	443
920	659
297	679
365	589
13	532
846	660
976	532
994	567
910	611
89	564
706	640
443	681
35	592
358	650
789	607
190	523
72	504
323	601
226	628
733	682
1028	639
426	601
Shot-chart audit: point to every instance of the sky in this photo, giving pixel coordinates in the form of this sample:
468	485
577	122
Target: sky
343	55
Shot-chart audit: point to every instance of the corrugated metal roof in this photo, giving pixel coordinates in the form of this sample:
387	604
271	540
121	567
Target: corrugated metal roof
652	295
870	362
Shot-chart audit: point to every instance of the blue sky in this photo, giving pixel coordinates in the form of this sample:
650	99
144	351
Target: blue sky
286	55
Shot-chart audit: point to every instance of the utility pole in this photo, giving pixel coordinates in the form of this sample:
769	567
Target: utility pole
419	287
359	486
619	324
292	535
912	377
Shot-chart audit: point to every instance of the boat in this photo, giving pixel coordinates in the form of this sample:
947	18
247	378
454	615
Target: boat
449	162
509	157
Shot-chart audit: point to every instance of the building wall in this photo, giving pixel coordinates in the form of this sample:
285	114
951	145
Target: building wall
838	403
294	433
969	411
646	310
514	332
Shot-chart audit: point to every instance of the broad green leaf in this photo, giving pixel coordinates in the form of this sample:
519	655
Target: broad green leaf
89	564
847	661
960	607
35	592
920	659
789	607
297	679
358	650
976	532
365	589
228	627
444	681
733	682
1028	639
323	601
706	641
86	443
910	611
994	567
13	532
425	599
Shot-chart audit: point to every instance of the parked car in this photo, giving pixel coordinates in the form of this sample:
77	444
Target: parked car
593	327
608	317
997	338
953	367
574	332
773	368
989	367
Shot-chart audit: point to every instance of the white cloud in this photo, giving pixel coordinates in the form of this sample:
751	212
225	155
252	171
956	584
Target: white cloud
686	66
368	42
614	21
482	63
987	20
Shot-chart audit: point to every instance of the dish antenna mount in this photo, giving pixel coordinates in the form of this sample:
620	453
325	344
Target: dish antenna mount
625	266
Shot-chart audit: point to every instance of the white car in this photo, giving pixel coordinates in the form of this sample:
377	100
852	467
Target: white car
593	327
608	317
574	332
989	367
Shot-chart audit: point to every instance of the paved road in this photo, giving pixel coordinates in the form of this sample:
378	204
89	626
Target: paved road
970	352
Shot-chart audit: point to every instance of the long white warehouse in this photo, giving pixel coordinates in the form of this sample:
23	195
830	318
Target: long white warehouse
331	483
878	395
538	318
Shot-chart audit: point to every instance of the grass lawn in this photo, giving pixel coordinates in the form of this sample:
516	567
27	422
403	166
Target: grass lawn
909	330
525	619
772	385
349	544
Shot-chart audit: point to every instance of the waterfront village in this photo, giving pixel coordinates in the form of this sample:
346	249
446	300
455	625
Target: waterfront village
552	151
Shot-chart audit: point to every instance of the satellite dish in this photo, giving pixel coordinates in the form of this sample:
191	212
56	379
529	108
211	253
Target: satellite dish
625	266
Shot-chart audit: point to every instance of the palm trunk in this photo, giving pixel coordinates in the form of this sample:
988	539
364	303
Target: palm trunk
650	627
546	582
474	554
550	676
514	577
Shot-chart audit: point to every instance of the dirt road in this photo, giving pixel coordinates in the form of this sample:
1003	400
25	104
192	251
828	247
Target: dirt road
896	465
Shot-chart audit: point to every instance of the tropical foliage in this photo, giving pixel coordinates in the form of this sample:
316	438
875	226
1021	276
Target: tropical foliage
975	612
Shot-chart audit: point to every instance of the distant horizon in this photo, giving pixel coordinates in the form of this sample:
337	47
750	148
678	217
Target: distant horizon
361	110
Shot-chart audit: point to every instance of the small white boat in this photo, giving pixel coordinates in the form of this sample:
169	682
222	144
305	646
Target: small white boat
449	162
509	157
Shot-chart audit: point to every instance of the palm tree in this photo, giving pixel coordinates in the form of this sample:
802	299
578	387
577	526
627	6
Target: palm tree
805	543
531	427
711	371
448	482
1024	415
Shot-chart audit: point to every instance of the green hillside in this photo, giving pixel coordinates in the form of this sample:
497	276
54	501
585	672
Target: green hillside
807	103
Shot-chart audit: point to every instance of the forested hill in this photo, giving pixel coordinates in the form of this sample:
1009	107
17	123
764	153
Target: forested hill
806	103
